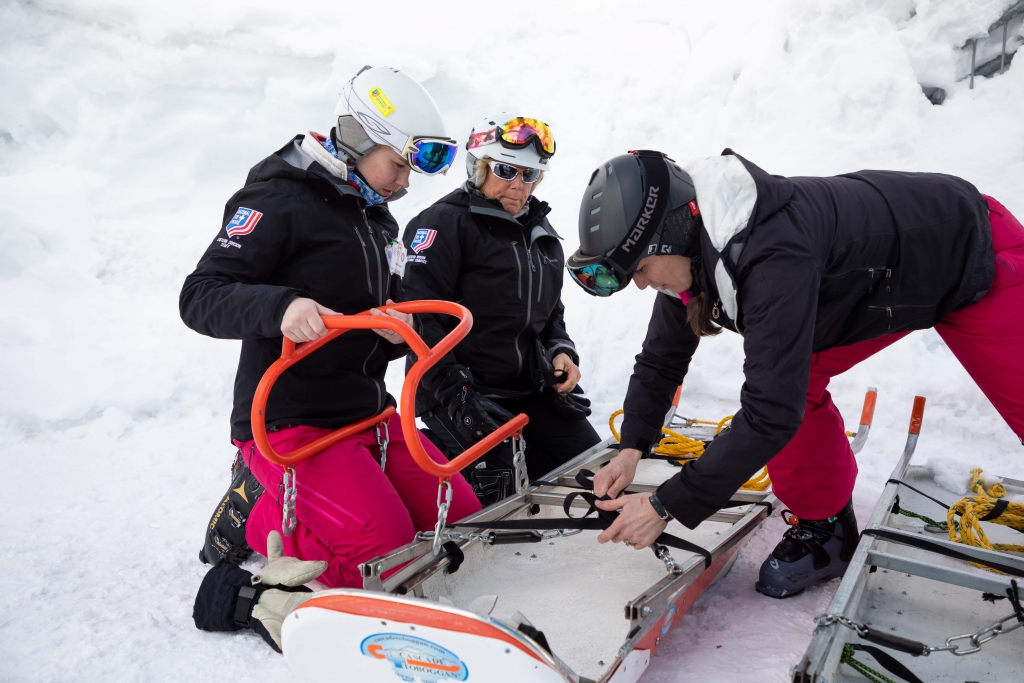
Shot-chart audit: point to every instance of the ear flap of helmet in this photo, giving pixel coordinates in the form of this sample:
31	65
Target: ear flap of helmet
350	137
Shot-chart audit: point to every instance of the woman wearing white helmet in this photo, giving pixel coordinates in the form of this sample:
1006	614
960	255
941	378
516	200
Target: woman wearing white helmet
489	246
310	234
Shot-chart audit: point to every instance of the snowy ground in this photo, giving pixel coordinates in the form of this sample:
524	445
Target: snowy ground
124	126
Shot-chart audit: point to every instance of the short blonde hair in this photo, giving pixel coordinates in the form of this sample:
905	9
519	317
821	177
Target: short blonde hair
480	170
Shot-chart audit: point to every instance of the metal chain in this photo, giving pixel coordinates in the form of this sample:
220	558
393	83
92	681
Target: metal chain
444	502
670	564
519	462
289	493
383	437
976	640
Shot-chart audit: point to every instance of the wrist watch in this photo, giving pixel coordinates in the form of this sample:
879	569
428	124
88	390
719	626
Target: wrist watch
659	508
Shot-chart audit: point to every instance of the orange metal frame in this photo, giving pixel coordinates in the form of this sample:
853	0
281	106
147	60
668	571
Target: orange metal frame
426	357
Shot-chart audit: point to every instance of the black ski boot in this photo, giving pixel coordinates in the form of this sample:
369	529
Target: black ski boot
811	550
225	534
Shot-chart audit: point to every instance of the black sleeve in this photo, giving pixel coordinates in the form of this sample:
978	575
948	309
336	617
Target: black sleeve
433	274
659	370
555	338
228	295
778	299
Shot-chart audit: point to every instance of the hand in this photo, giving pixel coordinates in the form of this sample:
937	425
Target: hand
392	337
301	321
287	574
611	479
570	372
637	524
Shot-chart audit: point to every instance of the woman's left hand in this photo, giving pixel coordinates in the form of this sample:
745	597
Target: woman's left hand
570	373
637	525
392	337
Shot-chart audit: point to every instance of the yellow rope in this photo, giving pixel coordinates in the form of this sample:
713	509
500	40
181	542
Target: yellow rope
972	509
683	448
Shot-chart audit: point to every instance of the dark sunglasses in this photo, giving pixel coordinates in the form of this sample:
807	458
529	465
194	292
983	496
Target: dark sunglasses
508	172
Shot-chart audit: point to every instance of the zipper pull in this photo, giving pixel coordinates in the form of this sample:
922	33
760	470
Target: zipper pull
714	309
888	276
871	279
888	311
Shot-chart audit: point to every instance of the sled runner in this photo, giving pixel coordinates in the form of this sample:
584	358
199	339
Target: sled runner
916	606
520	591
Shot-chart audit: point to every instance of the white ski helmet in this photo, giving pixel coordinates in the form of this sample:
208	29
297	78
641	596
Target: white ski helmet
392	109
532	145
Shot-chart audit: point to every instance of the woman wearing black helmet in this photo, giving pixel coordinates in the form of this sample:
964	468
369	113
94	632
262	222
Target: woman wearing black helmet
489	246
817	274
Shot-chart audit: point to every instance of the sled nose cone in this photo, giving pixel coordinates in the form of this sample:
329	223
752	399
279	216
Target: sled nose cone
357	635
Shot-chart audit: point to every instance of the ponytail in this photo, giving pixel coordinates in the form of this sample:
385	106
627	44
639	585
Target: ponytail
698	311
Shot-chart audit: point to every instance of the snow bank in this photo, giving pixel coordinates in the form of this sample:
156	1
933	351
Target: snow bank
125	126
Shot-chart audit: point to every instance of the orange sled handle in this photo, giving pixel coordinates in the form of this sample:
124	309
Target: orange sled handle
426	357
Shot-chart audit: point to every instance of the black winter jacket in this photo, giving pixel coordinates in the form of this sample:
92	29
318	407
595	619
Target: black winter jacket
316	238
798	266
507	272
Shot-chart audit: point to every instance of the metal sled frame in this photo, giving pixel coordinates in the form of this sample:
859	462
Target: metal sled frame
890	567
651	614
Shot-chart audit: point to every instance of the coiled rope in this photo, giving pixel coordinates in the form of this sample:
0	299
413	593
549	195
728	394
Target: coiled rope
682	448
984	507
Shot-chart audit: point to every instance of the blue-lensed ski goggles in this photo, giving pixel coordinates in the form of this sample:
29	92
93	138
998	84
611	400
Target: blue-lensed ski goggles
430	156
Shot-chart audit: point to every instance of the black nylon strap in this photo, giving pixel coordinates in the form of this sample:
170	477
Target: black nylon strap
888	662
925	544
654	204
247	598
918	491
998	509
604	520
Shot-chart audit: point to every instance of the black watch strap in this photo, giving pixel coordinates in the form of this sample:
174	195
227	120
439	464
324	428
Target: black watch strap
659	508
247	598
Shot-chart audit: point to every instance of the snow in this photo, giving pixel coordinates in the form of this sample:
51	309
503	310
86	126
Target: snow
125	126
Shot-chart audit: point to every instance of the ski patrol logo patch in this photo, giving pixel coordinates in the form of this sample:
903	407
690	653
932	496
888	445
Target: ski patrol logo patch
423	239
381	101
244	222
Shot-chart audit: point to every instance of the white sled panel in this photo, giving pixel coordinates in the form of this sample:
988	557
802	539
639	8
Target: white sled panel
348	635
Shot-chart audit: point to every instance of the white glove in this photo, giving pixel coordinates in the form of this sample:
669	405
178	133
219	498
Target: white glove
274	605
282	570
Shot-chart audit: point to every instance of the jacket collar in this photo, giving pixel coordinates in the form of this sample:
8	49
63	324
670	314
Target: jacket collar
734	195
533	218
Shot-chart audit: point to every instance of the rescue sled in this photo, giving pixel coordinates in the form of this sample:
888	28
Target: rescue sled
542	602
916	606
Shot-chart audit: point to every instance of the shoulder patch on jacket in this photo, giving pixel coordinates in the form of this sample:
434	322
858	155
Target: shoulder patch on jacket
423	239
243	222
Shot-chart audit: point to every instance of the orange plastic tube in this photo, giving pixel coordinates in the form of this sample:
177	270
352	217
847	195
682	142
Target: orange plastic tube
868	412
917	415
426	357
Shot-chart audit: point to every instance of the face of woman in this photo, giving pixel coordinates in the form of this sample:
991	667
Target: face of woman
669	272
384	170
513	194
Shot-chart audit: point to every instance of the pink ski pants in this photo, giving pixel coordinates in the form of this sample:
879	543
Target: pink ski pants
815	473
348	510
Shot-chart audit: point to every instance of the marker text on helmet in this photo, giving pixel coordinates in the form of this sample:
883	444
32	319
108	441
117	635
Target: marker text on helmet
644	220
381	101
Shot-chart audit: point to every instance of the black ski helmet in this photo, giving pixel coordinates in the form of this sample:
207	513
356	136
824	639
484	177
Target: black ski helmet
635	205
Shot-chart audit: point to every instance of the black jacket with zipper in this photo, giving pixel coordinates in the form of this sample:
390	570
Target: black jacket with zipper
506	271
810	264
316	239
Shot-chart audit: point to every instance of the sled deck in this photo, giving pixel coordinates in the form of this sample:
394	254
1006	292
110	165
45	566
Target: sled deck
562	608
913	587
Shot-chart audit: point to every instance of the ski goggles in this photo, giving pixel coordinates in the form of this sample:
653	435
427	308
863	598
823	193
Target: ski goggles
430	156
597	279
518	133
508	172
